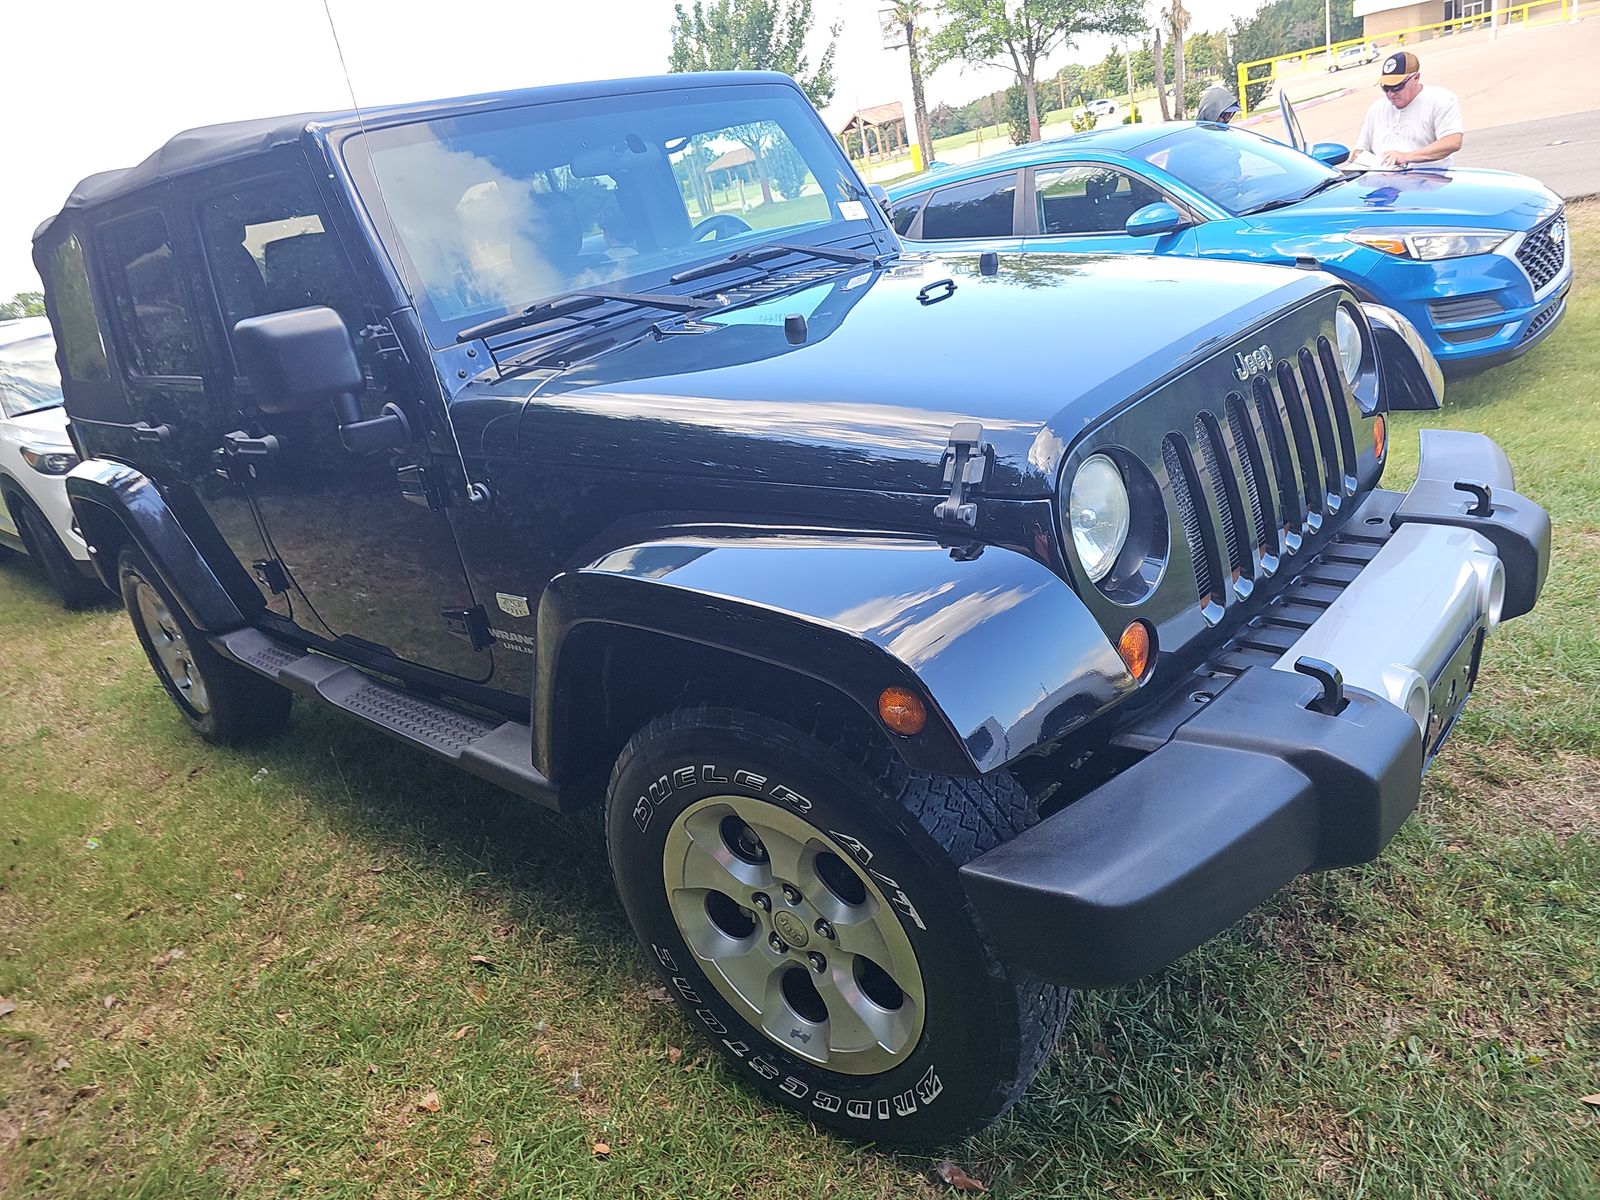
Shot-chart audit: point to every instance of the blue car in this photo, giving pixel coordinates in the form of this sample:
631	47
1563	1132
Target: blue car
1479	261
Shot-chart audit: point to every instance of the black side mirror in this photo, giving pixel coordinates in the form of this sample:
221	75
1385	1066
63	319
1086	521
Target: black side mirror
304	356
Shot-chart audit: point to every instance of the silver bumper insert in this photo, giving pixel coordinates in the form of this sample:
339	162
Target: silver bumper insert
1400	629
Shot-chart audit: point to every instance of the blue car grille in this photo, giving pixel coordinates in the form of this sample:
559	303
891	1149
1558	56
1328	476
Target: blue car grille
1543	252
1465	308
1273	461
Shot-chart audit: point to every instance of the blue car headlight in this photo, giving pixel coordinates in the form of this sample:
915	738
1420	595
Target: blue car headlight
1427	245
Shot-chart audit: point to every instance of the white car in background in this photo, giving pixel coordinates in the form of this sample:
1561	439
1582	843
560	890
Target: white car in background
35	456
1354	56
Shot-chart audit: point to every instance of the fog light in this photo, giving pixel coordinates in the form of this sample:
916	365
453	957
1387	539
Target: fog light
902	710
1380	437
1134	647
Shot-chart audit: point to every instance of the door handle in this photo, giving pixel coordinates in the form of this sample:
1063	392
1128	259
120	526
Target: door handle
144	432
242	445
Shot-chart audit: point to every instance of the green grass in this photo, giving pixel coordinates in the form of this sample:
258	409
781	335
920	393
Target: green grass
1424	1026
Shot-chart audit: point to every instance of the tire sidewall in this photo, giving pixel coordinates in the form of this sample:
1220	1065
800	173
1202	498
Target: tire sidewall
132	571
968	1047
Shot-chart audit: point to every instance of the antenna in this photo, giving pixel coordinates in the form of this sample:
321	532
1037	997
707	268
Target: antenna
361	121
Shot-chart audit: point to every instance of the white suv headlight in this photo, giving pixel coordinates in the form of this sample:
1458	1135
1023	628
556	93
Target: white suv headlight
50	460
1097	515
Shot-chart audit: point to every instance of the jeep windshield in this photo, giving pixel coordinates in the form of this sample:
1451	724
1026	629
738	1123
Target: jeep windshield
491	213
1239	170
29	381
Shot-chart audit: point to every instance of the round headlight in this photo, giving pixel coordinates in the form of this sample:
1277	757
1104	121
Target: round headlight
1350	348
1097	515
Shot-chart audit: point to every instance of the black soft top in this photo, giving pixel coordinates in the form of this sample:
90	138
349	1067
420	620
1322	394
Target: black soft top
208	146
214	145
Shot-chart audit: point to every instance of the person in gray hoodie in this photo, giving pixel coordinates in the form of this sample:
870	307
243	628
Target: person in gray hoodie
1217	104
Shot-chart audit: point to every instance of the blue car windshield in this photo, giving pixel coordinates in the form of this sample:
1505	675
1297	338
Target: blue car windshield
1237	170
29	380
491	212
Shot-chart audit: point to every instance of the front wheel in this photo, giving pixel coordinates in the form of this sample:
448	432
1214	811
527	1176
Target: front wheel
221	701
801	902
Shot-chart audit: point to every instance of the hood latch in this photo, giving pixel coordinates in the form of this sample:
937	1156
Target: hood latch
967	460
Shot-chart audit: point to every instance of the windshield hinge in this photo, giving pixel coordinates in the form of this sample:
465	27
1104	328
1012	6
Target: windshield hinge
471	624
271	575
417	486
382	338
966	463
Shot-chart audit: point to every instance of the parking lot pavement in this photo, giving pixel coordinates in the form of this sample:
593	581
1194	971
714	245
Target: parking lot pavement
1524	76
1561	152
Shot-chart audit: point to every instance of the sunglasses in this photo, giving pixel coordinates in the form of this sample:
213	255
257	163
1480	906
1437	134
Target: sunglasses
1392	88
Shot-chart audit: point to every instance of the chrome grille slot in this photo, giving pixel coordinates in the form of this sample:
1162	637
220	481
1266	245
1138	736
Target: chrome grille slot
1339	400
1257	487
1294	406
1185	490
1290	513
1317	402
1225	493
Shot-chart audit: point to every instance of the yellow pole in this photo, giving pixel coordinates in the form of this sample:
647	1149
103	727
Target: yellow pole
1244	103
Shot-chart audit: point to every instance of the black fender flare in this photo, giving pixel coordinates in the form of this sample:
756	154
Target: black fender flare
1003	651
115	504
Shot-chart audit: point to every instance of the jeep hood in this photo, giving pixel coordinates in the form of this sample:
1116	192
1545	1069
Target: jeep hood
892	359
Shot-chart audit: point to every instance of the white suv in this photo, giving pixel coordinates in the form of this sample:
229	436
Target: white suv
35	456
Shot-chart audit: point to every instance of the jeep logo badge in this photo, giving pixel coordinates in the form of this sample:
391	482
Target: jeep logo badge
1246	365
790	928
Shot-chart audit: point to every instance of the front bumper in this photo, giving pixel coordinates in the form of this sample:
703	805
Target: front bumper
1280	773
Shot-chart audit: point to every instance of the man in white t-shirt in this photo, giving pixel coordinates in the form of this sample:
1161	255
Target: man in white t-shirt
1411	125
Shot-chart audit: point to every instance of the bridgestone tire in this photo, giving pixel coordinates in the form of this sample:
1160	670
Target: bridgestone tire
74	589
238	706
985	1030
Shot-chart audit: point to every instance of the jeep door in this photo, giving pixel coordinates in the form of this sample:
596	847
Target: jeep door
363	561
167	422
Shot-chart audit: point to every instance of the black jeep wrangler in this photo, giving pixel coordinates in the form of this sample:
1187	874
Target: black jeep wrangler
939	633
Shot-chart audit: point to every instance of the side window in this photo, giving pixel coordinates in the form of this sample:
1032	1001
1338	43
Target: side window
904	214
147	290
981	208
268	251
1088	199
82	348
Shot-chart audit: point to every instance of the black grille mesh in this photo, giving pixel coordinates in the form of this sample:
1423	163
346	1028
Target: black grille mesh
1255	476
1534	326
1180	470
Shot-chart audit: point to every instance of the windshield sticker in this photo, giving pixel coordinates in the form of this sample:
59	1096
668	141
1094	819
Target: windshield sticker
852	210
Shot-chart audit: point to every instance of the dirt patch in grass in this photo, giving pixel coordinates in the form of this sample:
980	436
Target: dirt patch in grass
1504	794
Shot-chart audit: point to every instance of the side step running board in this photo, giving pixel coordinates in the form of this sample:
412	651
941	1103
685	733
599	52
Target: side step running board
500	753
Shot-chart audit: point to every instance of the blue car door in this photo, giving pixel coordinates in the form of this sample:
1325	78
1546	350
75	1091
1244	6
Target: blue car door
969	216
1083	207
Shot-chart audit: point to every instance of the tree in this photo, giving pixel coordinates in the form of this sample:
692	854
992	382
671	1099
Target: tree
1280	27
908	19
753	35
23	304
1112	69
1019	34
1178	21
1017	115
1161	76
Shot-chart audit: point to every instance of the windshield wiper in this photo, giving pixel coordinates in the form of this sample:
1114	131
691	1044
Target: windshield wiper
576	302
749	258
1323	186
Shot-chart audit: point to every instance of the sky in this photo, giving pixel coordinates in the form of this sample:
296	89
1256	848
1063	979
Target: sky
91	85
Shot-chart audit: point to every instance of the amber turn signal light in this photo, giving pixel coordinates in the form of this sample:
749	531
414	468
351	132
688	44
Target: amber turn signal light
1380	436
1134	647
902	710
